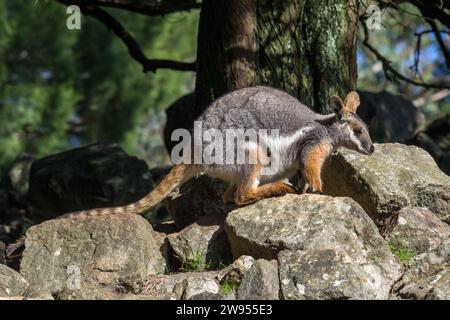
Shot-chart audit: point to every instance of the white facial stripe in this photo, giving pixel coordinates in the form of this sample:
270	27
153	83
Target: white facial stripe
354	139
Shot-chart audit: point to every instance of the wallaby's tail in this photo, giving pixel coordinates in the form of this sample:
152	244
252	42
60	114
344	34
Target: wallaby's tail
176	177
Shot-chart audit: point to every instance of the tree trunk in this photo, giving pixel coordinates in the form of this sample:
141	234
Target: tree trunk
306	48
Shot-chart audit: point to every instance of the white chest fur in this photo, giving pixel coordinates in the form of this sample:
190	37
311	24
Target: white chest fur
282	157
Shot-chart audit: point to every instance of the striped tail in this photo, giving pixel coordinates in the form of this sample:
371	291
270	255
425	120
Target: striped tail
175	178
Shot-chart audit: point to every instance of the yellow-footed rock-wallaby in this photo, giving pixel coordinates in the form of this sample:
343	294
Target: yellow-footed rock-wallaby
303	141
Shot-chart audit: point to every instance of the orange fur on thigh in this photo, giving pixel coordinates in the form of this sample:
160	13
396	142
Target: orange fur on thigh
313	165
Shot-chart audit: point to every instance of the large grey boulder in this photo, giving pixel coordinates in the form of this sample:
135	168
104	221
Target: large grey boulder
205	238
117	251
394	177
417	231
12	284
261	282
99	175
317	235
332	274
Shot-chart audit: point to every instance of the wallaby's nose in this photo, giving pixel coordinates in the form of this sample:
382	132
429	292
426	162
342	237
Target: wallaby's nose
372	148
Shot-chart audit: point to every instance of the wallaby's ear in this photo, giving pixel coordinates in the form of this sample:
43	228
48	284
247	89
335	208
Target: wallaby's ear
336	104
351	102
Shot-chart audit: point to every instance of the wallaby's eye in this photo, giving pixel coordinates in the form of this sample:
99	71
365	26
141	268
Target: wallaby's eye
357	131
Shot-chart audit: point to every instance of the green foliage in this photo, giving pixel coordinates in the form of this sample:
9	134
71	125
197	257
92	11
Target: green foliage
60	88
196	263
37	119
403	254
228	287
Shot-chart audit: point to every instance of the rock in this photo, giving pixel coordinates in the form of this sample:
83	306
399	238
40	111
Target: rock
444	163
391	118
331	274
17	176
261	282
236	271
418	230
427	276
231	276
205	238
293	222
435	139
12	212
394	177
131	296
12	284
198	197
101	293
99	175
184	286
441	287
89	292
179	115
40	296
318	235
2	253
197	288
117	251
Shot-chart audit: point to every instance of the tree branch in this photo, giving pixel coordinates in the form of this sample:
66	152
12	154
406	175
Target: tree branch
387	67
440	41
133	47
147	7
433	9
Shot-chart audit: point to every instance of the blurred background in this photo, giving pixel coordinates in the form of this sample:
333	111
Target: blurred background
137	69
61	88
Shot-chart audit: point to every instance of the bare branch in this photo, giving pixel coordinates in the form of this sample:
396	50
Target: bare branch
440	41
147	7
389	69
133	47
434	9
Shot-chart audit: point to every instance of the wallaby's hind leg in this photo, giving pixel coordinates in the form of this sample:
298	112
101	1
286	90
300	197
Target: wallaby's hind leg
312	166
228	195
248	190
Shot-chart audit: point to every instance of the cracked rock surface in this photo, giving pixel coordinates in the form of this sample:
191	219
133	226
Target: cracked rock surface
117	251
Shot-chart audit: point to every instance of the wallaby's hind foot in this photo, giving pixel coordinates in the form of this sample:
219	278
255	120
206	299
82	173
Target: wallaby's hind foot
250	195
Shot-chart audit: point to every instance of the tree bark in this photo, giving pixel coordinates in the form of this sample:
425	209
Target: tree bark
306	48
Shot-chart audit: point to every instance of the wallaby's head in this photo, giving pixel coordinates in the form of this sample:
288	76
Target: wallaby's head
353	133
